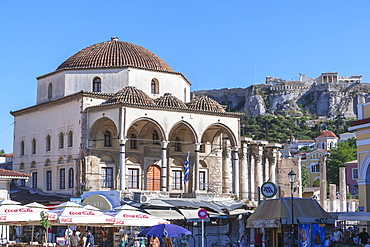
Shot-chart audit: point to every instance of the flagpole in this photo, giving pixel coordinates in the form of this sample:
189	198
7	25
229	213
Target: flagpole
186	172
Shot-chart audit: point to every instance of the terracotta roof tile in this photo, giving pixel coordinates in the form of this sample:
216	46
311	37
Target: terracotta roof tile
204	103
168	100
131	95
114	54
8	173
326	133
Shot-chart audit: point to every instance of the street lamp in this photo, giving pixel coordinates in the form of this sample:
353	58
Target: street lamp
291	176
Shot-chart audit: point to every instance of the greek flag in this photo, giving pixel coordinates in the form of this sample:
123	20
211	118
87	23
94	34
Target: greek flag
186	168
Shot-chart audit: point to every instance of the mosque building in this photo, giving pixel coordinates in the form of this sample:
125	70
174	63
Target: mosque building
114	116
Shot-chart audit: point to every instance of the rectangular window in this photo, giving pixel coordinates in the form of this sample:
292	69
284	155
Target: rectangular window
133	178
202	180
22	183
176	181
62	179
48	180
107	177
354	173
34	179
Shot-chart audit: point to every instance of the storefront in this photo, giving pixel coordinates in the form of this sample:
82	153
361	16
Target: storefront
311	222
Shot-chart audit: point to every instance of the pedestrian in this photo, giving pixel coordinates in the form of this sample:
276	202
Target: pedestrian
243	241
337	235
82	241
363	236
74	238
90	239
154	242
258	238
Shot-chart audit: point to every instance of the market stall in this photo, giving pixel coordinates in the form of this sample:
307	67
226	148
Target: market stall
275	217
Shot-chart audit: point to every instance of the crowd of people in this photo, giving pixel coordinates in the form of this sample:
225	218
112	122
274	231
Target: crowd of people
76	239
349	237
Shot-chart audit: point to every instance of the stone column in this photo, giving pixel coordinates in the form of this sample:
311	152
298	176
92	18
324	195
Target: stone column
244	172
226	168
235	170
333	197
164	166
196	166
258	162
342	189
252	192
322	164
272	163
122	164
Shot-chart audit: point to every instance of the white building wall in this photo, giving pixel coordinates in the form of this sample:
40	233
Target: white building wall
112	80
38	124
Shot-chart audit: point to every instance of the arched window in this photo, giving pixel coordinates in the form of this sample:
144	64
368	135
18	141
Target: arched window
70	138
33	146
97	85
21	166
48	143
133	141
70	178
323	145
178	146
155	137
22	148
61	140
33	164
62	178
50	91
154	87
47	162
107	139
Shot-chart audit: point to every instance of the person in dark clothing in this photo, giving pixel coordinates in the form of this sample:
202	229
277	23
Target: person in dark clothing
363	237
258	238
350	240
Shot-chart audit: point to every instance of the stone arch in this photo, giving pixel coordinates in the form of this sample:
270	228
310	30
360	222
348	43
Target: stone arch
214	130
364	172
97	130
184	133
144	126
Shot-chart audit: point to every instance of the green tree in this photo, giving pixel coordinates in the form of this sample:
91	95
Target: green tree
342	153
45	223
2	151
305	176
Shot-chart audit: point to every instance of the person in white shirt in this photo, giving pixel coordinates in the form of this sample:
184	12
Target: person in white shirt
74	238
337	235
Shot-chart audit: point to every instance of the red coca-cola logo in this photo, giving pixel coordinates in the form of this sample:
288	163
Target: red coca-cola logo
110	220
68	220
142	216
2	218
82	213
52	217
120	222
25	210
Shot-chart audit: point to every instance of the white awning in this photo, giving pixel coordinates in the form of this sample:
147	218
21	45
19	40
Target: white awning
240	211
165	214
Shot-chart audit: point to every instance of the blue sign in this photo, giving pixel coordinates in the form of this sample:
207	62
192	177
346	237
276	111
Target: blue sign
202	214
76	200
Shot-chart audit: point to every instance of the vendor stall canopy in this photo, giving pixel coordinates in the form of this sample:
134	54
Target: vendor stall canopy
276	212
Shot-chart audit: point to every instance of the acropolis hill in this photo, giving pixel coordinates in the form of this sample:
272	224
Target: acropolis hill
327	96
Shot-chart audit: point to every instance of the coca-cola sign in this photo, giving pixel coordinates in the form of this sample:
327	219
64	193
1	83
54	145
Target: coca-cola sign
18	210
2	218
66	220
82	213
137	216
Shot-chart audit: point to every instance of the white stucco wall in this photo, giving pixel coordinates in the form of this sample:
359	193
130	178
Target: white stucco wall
112	80
38	124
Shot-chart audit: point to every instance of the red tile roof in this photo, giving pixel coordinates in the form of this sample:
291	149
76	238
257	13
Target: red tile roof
326	133
361	121
114	54
8	173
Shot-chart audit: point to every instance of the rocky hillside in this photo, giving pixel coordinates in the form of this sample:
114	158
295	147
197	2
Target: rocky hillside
294	98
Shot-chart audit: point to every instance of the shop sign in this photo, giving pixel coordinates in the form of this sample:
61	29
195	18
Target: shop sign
98	201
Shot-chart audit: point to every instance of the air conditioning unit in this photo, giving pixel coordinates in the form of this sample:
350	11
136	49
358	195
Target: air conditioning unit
145	198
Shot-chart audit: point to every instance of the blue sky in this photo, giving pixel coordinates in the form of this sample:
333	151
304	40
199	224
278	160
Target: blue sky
215	44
